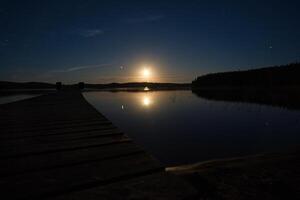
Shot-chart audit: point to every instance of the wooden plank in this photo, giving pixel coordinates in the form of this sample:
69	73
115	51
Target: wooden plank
31	163
47	139
41	184
24	124
19	149
16	135
58	144
45	119
52	114
64	136
54	127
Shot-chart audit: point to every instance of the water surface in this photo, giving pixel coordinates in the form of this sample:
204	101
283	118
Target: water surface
179	127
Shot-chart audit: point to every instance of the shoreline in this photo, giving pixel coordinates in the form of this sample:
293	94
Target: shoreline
261	176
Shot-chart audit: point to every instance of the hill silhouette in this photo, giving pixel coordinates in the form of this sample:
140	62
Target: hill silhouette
139	85
275	76
6	85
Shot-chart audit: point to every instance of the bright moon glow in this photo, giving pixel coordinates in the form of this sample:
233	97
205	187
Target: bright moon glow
146	73
146	101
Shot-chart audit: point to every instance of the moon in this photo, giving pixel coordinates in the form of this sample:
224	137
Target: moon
146	72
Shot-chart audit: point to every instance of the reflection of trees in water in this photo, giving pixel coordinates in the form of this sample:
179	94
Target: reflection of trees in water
280	97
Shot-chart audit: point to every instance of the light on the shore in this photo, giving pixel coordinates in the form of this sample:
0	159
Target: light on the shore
146	88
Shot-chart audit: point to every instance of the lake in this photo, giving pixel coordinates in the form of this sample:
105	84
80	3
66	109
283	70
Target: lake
180	127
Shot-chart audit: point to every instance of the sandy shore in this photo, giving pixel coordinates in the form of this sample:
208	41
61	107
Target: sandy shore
268	176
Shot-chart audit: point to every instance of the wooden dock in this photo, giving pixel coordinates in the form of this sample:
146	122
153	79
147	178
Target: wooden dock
57	146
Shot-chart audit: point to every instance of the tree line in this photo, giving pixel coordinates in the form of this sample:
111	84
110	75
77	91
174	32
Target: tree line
283	75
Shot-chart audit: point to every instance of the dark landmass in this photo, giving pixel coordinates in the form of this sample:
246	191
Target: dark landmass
5	85
275	76
269	176
13	88
135	85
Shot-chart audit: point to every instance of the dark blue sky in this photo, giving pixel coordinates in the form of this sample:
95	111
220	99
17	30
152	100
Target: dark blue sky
89	41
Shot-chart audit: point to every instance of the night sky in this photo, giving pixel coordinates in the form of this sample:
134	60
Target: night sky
100	42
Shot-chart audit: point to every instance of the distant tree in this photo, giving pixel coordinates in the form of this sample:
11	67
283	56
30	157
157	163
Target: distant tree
58	85
285	75
81	85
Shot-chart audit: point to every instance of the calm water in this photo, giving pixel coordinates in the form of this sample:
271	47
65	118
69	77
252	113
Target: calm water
13	98
178	127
